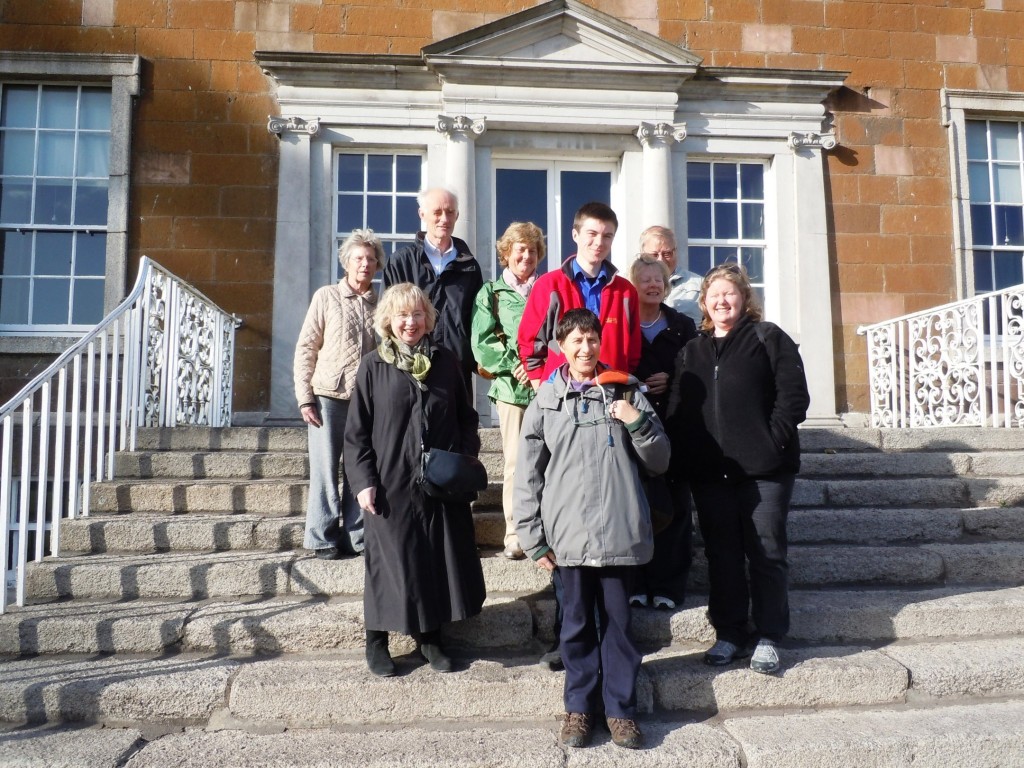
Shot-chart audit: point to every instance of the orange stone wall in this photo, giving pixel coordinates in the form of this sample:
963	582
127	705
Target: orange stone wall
204	166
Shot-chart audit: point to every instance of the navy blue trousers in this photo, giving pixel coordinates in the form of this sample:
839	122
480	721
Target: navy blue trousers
744	529
601	662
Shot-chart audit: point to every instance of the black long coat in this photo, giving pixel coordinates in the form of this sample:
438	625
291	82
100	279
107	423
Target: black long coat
421	563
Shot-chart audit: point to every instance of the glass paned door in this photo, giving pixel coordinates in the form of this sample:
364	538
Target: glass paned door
548	193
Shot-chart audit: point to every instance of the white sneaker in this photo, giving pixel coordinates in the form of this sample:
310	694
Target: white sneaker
666	603
766	658
639	601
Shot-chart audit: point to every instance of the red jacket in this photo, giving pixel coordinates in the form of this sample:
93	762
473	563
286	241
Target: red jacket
556	293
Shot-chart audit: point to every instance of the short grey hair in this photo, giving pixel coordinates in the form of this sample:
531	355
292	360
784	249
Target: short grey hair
422	195
658	231
358	239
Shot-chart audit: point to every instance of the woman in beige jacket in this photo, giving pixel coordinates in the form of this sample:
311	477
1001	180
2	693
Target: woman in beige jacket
337	332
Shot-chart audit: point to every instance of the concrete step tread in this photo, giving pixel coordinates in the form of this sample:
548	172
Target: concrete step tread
200	574
307	690
158	531
977	734
297	623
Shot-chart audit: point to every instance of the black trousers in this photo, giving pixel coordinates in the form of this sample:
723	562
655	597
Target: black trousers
666	574
744	529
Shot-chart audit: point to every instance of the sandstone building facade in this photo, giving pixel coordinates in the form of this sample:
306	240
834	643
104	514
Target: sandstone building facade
863	159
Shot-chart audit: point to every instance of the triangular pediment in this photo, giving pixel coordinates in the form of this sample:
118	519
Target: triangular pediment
562	35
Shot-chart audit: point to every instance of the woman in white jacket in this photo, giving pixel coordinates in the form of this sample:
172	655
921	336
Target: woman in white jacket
337	332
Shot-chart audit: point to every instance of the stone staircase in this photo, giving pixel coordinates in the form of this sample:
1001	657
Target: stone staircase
185	619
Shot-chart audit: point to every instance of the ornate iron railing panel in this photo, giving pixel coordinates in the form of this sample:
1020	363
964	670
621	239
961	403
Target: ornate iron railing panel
961	364
164	357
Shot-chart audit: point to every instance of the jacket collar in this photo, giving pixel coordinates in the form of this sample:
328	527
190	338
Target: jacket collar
347	292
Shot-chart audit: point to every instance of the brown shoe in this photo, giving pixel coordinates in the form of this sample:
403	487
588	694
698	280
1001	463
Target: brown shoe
576	729
625	732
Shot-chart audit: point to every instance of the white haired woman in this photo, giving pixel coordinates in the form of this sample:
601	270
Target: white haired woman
337	332
422	568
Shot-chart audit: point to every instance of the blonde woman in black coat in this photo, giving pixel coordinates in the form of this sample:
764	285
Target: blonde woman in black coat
421	563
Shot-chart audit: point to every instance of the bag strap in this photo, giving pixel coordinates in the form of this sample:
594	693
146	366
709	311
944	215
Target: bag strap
759	330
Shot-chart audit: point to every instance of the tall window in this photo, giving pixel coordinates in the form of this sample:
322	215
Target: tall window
54	172
548	194
377	191
725	216
995	171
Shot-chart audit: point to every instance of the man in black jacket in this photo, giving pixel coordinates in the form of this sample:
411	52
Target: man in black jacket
445	268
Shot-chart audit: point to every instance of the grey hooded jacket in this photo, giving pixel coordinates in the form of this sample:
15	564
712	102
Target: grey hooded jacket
577	492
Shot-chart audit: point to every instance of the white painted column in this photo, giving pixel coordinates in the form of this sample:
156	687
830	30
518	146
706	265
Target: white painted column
292	254
656	139
460	175
813	285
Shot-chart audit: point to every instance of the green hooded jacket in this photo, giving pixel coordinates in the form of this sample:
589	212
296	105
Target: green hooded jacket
497	310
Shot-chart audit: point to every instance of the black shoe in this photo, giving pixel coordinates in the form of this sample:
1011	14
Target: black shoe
552	660
430	649
328	553
723	652
378	658
435	656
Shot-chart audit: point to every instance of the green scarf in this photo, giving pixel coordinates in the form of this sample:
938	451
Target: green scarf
413	360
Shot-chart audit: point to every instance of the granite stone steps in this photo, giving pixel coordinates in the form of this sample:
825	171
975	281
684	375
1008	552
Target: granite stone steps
202	574
155	532
327	689
983	735
301	624
185	618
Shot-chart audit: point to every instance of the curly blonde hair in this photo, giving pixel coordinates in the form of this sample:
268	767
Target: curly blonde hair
520	232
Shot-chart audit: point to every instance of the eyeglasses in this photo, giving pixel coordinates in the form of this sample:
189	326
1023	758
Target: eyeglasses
664	254
404	317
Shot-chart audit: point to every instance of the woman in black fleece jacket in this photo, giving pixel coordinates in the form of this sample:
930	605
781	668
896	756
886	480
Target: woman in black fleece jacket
738	395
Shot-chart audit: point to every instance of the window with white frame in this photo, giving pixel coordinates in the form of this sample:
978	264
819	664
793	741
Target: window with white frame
55	176
547	193
725	216
995	173
377	190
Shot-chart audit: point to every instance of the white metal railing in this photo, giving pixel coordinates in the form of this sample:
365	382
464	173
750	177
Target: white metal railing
163	357
961	364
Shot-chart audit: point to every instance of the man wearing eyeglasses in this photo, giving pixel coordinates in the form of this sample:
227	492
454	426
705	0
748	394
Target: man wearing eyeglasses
660	243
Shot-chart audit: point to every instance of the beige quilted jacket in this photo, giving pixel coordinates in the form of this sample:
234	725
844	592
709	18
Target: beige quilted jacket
337	332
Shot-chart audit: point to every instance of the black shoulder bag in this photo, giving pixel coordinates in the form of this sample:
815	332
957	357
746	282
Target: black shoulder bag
447	475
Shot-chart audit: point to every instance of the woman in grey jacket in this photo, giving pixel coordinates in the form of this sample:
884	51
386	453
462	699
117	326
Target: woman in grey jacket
337	332
580	507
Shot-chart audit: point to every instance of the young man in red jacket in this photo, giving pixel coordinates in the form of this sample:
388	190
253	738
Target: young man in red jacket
586	280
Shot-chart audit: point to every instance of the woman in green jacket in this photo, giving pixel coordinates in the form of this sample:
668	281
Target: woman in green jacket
496	314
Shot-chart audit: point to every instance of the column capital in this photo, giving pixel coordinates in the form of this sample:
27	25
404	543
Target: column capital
660	134
294	124
821	140
461	125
